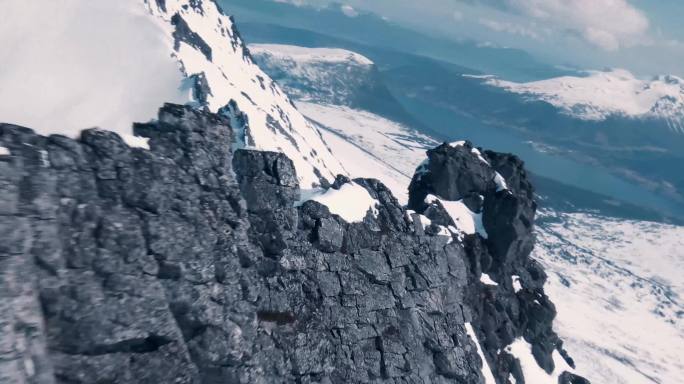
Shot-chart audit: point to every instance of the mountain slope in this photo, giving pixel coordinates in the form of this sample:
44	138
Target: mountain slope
370	145
601	94
331	76
608	269
211	51
621	288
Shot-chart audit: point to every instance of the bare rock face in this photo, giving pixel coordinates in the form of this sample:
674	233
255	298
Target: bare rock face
193	263
502	313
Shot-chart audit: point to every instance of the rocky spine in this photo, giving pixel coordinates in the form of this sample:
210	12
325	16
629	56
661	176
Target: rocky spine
193	262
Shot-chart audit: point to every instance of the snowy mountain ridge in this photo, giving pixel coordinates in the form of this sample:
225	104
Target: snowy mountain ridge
602	94
302	55
211	51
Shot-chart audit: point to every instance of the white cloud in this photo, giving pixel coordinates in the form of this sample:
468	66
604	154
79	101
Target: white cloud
74	64
608	24
511	28
349	10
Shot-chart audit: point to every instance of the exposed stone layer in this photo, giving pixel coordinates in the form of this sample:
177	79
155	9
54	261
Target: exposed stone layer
191	263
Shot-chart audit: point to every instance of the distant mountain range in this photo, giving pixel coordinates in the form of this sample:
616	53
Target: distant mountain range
600	95
452	102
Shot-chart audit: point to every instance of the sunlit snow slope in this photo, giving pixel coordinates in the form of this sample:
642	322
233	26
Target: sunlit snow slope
210	50
618	289
323	81
369	145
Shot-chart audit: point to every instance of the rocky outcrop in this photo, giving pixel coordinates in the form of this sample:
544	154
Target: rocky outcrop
194	263
513	305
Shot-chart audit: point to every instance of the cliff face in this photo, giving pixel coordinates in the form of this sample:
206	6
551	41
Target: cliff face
505	290
191	263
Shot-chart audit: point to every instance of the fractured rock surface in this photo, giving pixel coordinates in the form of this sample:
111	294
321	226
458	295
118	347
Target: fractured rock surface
194	263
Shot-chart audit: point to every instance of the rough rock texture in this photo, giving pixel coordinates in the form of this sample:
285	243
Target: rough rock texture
192	263
123	265
500	314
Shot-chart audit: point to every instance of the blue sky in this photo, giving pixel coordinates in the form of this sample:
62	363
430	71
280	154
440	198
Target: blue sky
644	36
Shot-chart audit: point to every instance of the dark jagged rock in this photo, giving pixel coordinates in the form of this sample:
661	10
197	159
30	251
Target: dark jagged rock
194	263
438	178
500	314
188	263
183	33
569	378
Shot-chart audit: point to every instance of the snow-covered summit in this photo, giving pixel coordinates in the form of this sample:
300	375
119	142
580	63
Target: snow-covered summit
601	94
307	55
211	51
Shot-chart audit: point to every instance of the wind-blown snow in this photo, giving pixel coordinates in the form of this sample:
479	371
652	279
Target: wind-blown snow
74	64
371	146
351	202
292	53
274	123
486	370
617	285
466	220
601	94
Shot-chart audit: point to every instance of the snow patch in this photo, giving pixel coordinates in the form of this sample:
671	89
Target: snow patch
136	141
4	151
477	153
532	372
486	371
466	220
487	280
424	221
474	151
351	202
517	286
500	182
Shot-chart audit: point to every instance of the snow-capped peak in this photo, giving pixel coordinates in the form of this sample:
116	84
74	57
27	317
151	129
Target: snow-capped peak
211	51
601	94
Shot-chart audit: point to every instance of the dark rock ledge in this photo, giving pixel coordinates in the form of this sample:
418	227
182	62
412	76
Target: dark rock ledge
188	263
